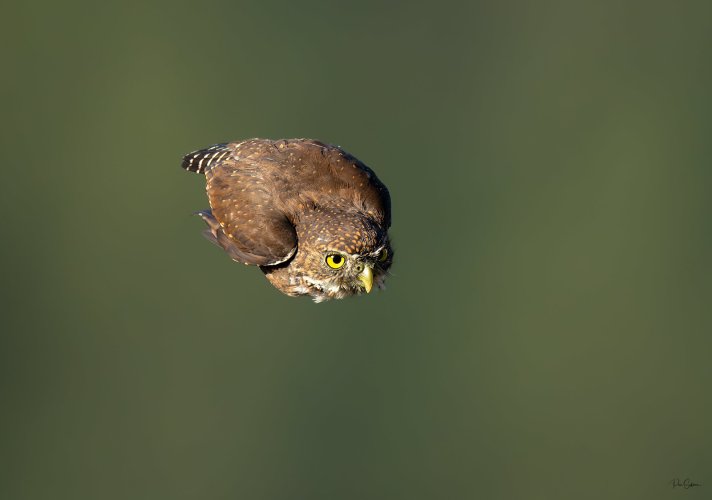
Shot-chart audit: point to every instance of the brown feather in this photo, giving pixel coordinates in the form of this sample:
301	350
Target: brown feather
271	200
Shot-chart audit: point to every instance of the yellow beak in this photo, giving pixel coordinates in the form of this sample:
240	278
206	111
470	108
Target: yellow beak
366	277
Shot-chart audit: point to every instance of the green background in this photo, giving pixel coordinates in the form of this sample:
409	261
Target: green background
547	329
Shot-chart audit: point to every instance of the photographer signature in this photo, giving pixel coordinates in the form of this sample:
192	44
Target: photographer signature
686	484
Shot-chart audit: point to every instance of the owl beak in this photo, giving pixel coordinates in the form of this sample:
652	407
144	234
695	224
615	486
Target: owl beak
366	277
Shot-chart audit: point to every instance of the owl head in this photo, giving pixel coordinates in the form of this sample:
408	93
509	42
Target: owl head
338	255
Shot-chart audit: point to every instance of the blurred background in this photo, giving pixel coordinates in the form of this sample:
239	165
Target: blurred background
546	333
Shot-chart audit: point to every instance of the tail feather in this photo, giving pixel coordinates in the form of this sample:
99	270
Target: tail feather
202	160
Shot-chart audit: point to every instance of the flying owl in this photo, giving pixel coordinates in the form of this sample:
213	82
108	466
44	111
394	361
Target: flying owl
311	216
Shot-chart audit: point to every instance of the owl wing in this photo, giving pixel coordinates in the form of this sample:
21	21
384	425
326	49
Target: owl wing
256	188
372	193
324	170
243	218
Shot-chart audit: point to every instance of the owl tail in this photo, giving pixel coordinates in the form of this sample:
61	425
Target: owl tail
204	159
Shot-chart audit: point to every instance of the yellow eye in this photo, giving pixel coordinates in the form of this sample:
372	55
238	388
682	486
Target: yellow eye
383	256
335	260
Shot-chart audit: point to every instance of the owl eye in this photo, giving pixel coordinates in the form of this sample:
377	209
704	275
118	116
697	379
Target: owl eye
383	255
335	261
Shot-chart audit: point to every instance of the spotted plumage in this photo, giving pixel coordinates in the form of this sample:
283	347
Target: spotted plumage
311	216
203	160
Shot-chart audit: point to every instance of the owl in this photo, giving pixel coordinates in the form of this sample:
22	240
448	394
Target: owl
311	216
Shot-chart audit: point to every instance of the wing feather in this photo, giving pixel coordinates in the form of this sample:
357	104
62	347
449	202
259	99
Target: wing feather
258	188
